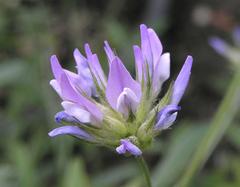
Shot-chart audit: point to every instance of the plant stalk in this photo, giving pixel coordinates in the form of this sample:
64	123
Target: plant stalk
143	165
221	121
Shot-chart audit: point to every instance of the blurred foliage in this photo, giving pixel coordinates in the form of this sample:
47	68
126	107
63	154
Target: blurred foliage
32	30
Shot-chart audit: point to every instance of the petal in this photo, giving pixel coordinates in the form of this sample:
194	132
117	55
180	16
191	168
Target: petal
67	90
219	45
139	63
98	71
181	82
71	95
55	85
161	73
82	65
64	117
130	147
146	46
121	149
74	79
80	60
166	117
127	101
76	111
71	130
109	52
56	67
122	107
80	83
156	46
118	79
84	86
95	66
167	122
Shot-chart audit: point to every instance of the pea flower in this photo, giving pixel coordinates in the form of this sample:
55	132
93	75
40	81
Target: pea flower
230	52
119	112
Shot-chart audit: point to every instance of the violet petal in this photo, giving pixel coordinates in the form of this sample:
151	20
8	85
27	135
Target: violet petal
109	52
127	101
76	111
70	93
95	66
129	147
146	47
219	45
121	149
71	130
181	82
62	116
118	79
55	85
161	72
156	46
67	91
82	66
139	63
80	83
166	117
56	67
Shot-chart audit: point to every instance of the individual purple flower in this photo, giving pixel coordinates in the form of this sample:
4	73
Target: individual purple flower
166	117
118	111
126	146
151	65
230	52
168	114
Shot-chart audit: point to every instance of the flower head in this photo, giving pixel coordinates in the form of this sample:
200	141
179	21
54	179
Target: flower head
119	111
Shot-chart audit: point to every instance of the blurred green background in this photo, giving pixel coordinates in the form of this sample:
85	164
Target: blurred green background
32	30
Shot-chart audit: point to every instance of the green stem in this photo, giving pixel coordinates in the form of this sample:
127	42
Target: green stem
145	170
221	121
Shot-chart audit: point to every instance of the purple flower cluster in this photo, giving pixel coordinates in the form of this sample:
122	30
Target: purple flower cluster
119	111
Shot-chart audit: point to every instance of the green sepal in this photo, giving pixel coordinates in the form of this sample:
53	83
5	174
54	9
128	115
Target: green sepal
145	132
114	127
166	99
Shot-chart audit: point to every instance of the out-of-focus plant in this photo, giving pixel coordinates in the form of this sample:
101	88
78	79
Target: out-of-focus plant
230	52
224	115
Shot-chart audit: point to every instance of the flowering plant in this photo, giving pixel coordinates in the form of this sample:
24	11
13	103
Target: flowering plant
119	112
